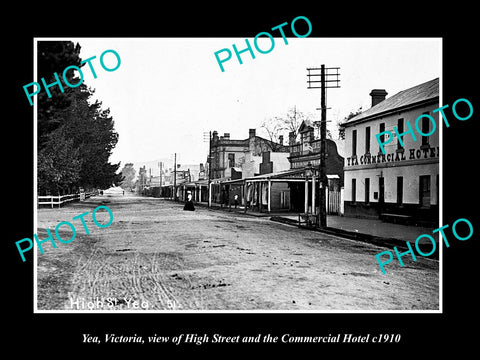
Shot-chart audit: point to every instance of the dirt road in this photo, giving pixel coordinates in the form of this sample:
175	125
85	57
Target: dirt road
155	256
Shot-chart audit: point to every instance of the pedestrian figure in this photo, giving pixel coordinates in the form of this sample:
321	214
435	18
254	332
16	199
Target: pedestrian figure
235	200
227	199
222	198
189	203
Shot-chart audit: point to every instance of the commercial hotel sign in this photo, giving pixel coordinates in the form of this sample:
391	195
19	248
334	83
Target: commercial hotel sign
400	155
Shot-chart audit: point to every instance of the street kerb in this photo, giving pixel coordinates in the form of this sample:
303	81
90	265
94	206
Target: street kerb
353	235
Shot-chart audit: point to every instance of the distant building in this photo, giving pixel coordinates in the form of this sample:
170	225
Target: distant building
307	150
279	182
403	184
273	162
187	177
240	155
141	181
237	159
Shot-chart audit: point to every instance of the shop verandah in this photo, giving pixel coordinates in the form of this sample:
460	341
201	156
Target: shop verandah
285	192
198	189
289	191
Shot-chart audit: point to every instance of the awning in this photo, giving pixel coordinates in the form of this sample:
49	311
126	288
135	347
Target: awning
220	180
292	175
196	183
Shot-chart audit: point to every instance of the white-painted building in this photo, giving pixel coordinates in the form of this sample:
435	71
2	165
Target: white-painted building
403	183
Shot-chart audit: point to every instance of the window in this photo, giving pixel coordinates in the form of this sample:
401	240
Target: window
354	190
354	142
381	190
231	160
399	190
367	190
425	129
382	137
424	196
400	131
367	140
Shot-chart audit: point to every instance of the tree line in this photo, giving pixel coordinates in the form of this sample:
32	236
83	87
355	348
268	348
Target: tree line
75	135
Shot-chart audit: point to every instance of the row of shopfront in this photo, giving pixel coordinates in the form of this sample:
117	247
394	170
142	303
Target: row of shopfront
255	174
287	191
402	183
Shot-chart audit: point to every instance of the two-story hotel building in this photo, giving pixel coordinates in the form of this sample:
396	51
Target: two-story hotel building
403	183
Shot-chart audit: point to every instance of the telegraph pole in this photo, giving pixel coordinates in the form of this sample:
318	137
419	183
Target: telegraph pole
175	178
325	78
323	149
209	164
161	173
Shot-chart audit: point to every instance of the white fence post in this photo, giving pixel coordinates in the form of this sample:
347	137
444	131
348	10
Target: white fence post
60	199
342	194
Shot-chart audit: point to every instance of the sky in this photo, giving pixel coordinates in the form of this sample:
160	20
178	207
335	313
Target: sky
168	92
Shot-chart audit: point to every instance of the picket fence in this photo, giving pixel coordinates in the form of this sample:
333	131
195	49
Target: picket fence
62	199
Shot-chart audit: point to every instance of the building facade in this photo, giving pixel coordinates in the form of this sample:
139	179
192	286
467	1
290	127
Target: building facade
403	183
239	155
278	180
276	163
236	159
306	151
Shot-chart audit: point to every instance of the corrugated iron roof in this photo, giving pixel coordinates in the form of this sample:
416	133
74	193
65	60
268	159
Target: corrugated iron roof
417	94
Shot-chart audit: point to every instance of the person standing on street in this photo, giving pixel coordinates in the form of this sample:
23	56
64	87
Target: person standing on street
189	203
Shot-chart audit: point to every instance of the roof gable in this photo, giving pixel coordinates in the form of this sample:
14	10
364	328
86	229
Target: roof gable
306	125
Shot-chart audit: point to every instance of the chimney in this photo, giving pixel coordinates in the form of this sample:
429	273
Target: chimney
280	139
266	157
378	95
226	136
251	133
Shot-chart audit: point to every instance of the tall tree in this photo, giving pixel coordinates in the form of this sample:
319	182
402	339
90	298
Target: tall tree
128	173
283	125
54	57
58	164
75	136
274	129
293	119
92	130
